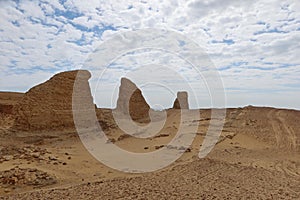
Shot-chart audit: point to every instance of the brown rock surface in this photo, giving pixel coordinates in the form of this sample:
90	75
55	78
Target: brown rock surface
8	100
131	101
48	106
20	176
181	102
7	109
205	179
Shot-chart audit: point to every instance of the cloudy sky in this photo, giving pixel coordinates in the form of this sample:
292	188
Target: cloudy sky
253	44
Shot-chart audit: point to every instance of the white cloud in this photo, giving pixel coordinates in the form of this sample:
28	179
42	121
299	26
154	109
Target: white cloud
263	34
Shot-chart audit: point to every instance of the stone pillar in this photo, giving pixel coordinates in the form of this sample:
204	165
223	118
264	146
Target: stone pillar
181	102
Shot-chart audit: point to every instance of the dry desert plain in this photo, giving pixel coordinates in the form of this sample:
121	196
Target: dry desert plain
42	157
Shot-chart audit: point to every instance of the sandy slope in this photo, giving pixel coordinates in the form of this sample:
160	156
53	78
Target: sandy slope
257	157
205	179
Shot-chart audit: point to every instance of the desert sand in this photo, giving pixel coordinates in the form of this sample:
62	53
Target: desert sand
42	156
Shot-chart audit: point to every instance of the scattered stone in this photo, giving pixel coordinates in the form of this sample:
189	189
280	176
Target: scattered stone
6	190
122	137
52	158
162	135
8	157
112	140
230	136
29	153
36	154
27	176
160	146
181	148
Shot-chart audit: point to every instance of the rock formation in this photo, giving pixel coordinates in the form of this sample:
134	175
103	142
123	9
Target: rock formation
181	102
7	109
8	100
48	106
131	101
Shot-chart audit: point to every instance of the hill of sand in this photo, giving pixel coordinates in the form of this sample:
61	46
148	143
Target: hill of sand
256	157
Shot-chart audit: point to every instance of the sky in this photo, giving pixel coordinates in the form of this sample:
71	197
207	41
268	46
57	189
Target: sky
254	45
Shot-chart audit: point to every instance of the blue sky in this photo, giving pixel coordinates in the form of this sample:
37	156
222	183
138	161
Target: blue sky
253	44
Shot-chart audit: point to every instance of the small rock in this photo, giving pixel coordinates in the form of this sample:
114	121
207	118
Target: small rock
52	158
14	180
182	148
158	147
32	170
8	157
35	154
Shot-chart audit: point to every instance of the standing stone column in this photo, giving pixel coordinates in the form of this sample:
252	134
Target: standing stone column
181	102
131	101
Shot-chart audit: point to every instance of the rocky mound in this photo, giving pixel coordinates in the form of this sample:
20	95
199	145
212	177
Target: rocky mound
27	176
8	100
131	101
48	106
181	102
29	154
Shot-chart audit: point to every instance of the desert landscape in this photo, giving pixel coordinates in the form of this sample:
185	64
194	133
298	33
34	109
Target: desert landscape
42	156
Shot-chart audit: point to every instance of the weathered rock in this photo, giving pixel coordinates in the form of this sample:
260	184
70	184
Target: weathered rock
8	157
181	102
7	109
48	106
131	101
27	176
8	100
35	154
29	153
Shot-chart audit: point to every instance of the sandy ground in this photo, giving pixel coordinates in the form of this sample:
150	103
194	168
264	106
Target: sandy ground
257	157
